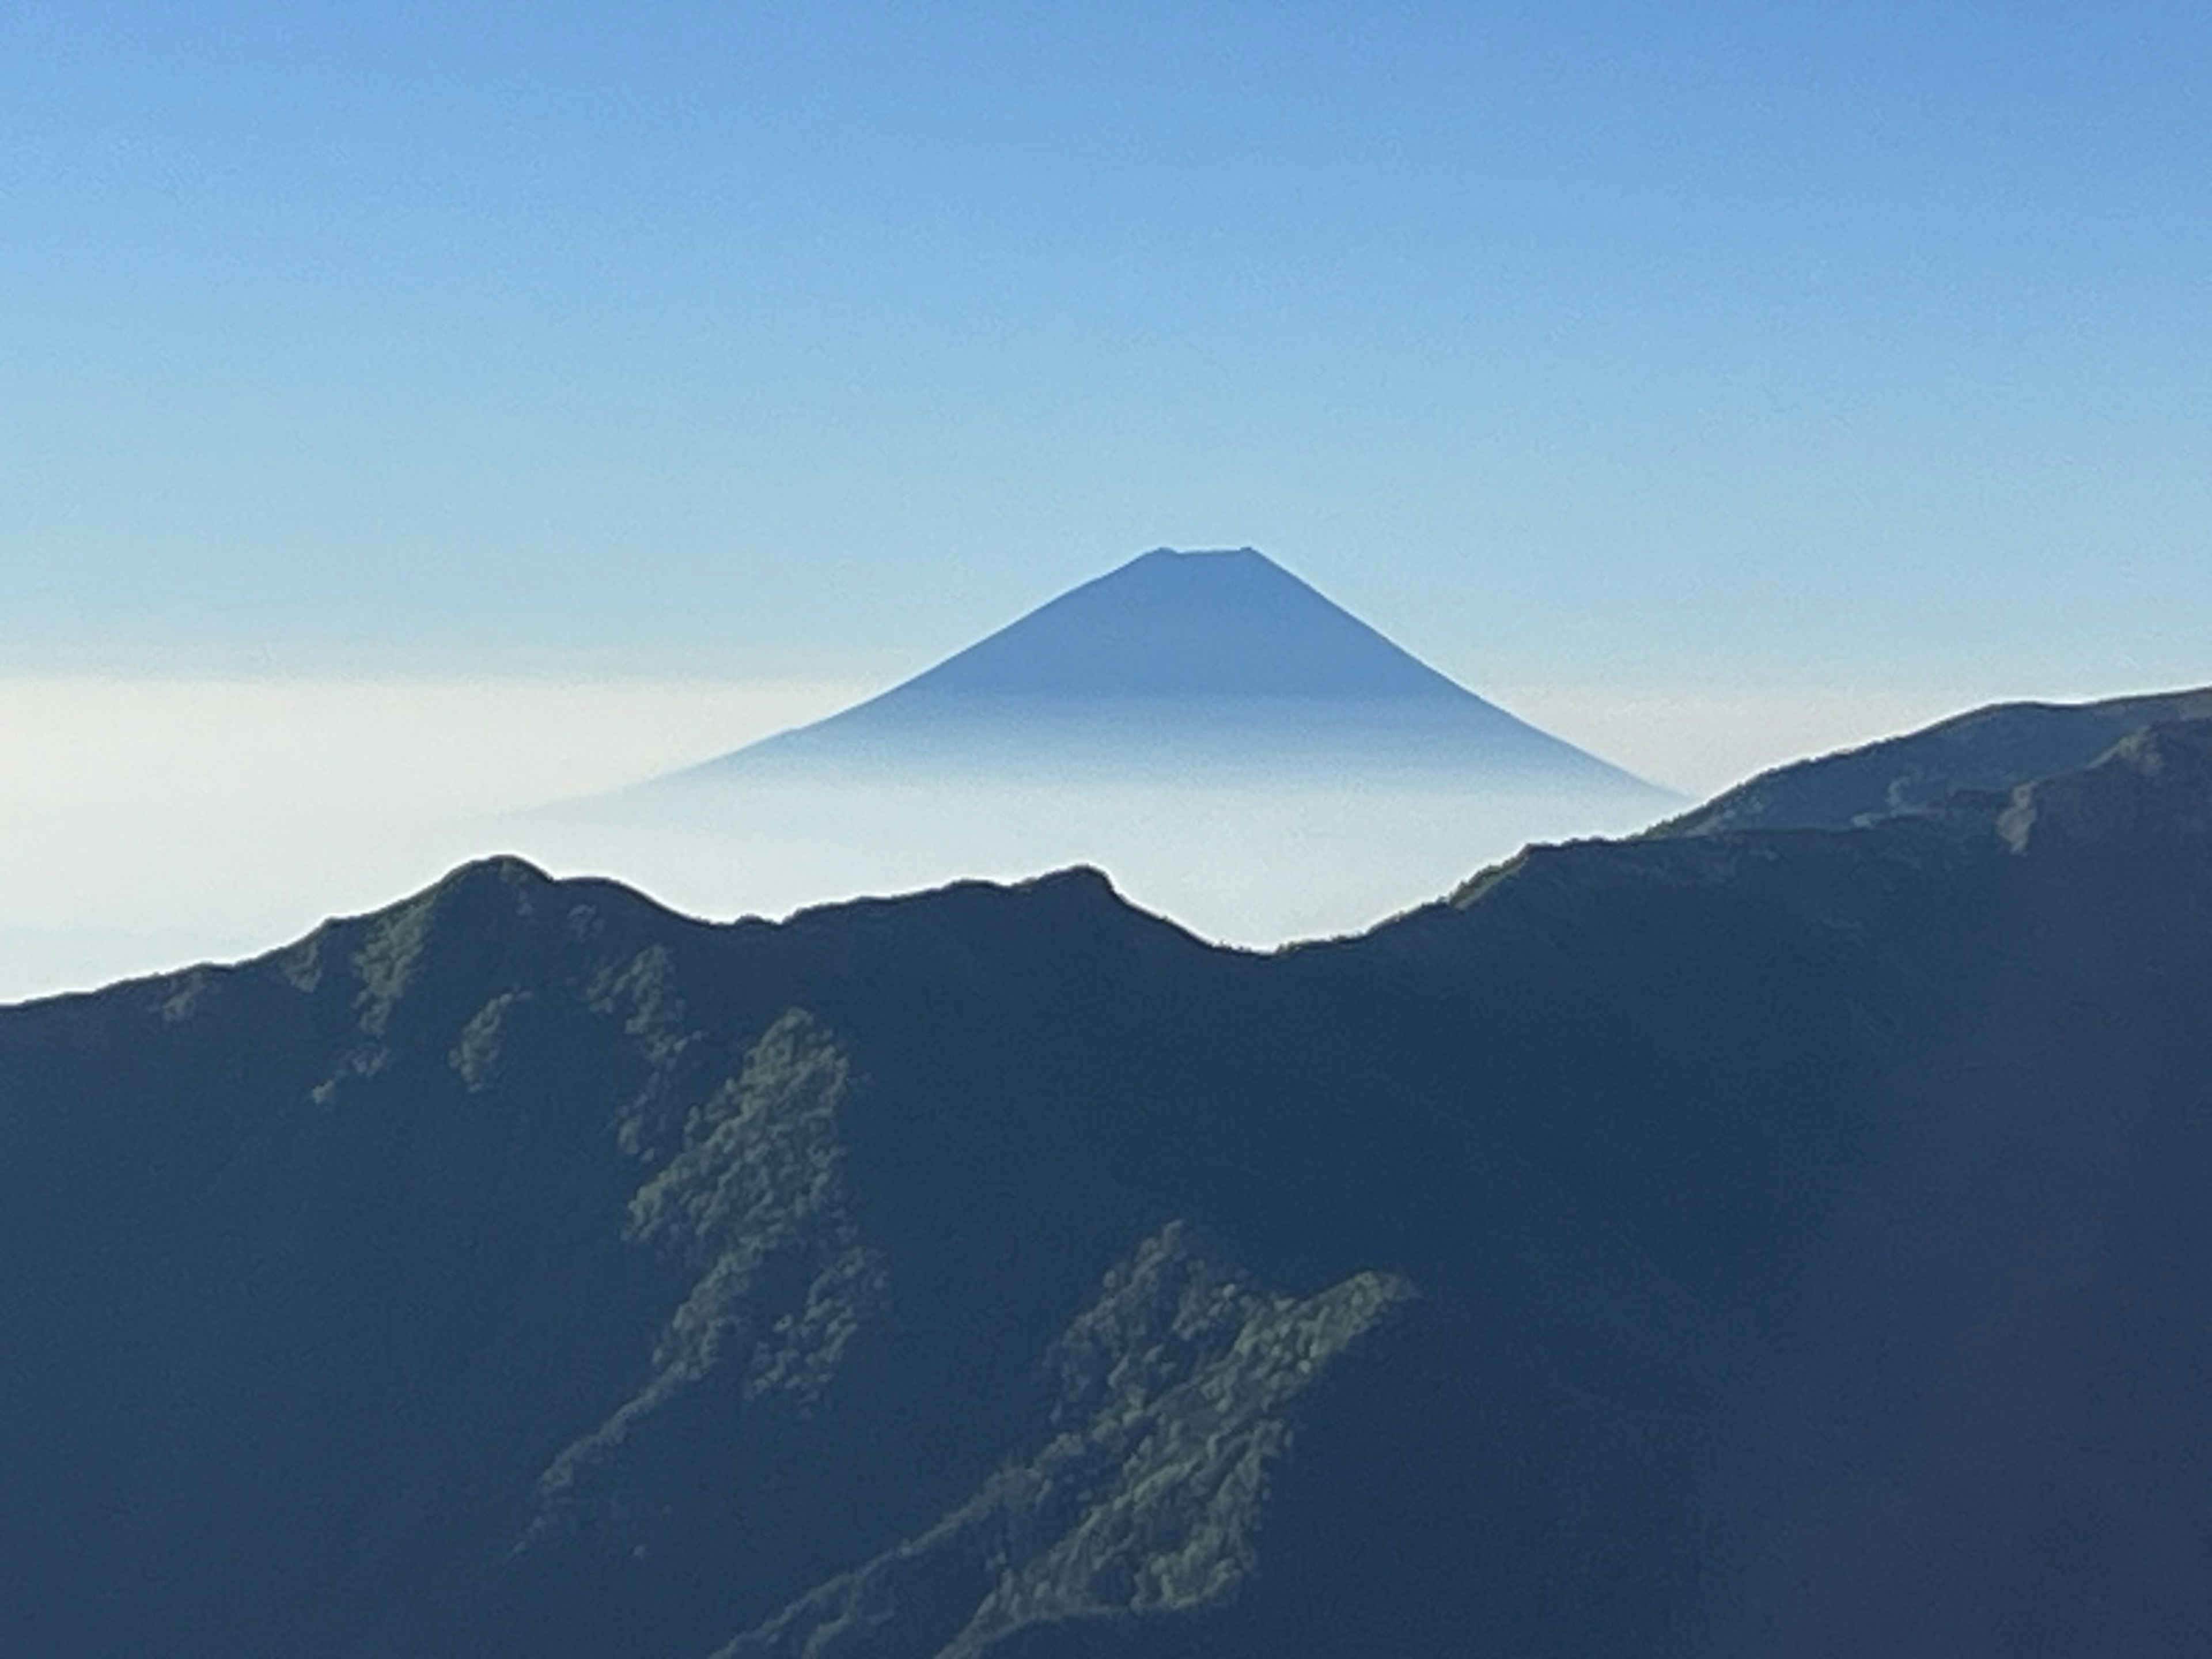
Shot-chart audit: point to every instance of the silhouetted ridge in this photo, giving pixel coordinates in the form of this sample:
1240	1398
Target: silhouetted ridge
1753	1242
1995	748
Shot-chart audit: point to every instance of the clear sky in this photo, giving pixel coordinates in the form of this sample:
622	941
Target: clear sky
1567	342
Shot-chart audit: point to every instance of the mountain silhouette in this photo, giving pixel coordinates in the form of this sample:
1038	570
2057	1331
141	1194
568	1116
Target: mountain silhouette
1984	750
1184	660
1711	1245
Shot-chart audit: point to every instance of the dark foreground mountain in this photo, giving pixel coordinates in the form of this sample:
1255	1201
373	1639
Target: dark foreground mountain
1748	1243
1985	749
1184	664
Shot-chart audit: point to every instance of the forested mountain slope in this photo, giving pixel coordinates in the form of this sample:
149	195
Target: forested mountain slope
1761	1241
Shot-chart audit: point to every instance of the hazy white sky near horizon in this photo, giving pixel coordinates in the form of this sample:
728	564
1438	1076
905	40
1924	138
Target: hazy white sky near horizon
146	822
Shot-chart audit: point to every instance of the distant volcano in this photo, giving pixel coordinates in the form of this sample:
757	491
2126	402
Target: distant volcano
1185	664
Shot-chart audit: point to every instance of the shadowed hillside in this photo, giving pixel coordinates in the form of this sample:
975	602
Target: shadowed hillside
1987	749
1754	1242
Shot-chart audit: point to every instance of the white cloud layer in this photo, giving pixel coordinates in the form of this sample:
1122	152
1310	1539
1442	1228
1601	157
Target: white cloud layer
144	823
148	823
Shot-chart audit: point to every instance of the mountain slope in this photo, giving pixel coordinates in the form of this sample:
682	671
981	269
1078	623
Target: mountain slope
1987	749
1749	1242
1180	660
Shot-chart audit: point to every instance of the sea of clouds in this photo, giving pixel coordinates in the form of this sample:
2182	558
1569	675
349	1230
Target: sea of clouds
147	823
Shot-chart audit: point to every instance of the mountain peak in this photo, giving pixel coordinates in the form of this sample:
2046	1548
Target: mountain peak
1201	658
1173	624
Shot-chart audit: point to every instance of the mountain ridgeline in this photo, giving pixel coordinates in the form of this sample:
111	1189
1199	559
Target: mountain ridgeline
1985	751
1740	1241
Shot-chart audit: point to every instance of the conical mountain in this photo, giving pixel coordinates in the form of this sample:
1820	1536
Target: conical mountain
1179	661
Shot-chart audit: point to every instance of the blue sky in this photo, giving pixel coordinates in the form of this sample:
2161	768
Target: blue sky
1837	343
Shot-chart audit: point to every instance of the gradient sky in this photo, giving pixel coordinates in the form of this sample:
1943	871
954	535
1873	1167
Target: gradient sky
1571	341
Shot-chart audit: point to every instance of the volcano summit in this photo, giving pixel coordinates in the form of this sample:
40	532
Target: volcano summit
1240	753
1186	663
